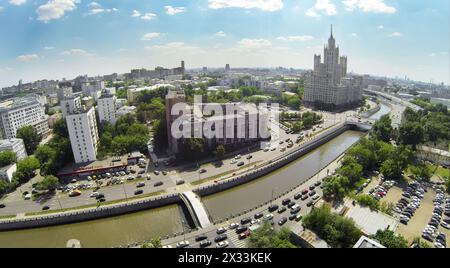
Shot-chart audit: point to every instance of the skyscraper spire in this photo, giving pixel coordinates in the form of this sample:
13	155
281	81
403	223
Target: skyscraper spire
331	30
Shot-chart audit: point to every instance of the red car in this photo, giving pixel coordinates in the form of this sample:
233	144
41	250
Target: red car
305	191
244	235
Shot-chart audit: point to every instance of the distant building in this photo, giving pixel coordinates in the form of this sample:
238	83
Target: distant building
52	119
328	87
6	173
63	93
125	110
83	132
18	112
133	92
106	106
15	145
227	67
159	72
93	88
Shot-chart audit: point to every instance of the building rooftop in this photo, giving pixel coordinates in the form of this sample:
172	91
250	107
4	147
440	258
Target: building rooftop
365	242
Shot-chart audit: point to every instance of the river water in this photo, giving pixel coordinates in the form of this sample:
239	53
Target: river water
145	225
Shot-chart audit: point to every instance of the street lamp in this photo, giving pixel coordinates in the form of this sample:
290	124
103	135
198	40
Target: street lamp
125	192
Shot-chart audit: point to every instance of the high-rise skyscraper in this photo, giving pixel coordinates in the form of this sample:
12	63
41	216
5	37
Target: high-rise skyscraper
328	87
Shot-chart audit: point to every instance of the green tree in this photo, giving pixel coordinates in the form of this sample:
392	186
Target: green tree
335	187
49	182
389	239
219	152
30	138
382	129
351	169
7	157
26	169
266	237
411	133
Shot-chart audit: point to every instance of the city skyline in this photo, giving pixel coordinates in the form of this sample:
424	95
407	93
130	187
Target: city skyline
55	39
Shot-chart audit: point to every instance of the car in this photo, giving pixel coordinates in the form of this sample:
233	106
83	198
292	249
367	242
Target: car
220	238
200	238
246	220
305	191
297	196
312	193
205	243
304	197
244	235
179	182
240	164
292	217
94	194
45	208
312	187
282	221
309	204
249	157
221	230
140	184
138	192
158	183
298	218
281	210
285	201
202	171
164	172
156	172
74	193
73	181
241	229
222	244
183	244
2	206
445	225
100	200
268	217
296	210
315	197
318	183
291	204
273	207
259	215
233	225
237	157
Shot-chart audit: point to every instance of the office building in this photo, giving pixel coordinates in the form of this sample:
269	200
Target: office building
106	106
15	145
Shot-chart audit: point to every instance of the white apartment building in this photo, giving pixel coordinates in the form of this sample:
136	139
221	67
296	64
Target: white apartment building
19	112
83	134
106	106
15	145
93	88
70	104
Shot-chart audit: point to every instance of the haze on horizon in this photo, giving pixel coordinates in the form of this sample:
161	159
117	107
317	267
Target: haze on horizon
52	39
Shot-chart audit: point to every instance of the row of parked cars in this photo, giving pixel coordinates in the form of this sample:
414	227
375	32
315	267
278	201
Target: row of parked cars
410	201
441	207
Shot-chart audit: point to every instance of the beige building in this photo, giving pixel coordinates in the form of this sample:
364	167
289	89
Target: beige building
328	87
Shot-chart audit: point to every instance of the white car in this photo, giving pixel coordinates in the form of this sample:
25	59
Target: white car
445	225
233	225
268	217
234	161
183	244
94	194
237	157
222	244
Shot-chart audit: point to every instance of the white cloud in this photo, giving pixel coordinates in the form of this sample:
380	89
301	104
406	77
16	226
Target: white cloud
376	6
76	52
354	34
381	27
17	2
221	34
322	6
443	52
295	38
395	34
170	10
254	43
136	13
94	5
148	16
432	54
96	11
150	36
27	58
174	48
55	9
48	48
265	5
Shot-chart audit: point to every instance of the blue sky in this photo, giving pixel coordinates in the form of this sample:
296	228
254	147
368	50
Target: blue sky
63	38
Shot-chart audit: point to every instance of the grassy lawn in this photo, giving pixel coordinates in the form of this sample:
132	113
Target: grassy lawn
4	217
440	171
95	205
223	174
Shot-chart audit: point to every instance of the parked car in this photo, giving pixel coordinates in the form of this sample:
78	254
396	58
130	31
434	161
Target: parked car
205	243
140	184
282	221
45	208
158	183
222	244
200	238
138	192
